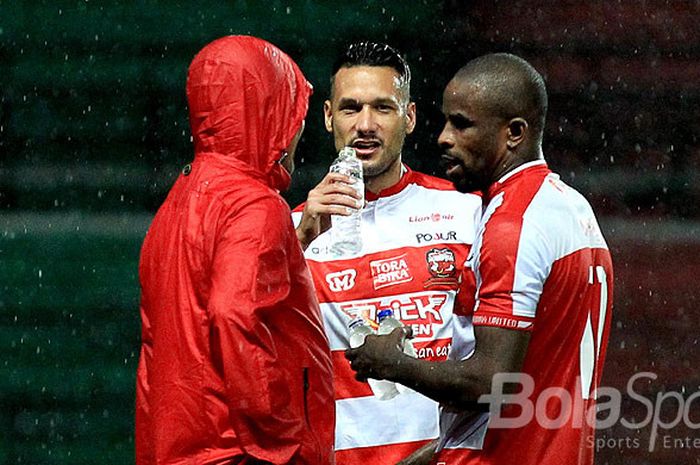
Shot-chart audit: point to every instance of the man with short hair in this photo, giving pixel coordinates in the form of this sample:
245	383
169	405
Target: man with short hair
542	281
416	233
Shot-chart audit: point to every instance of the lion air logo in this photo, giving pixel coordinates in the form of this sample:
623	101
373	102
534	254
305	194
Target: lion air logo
442	267
341	280
433	217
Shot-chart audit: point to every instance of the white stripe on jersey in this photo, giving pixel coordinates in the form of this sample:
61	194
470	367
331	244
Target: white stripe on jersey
463	343
393	421
586	358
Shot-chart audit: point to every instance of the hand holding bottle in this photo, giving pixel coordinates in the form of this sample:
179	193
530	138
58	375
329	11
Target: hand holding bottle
346	232
357	332
334	195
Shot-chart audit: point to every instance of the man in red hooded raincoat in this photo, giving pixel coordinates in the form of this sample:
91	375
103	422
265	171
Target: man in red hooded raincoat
234	365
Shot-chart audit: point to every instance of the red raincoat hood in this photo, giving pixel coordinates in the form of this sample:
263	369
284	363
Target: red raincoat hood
247	100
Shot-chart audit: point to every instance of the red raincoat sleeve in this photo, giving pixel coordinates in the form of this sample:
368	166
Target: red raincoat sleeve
250	279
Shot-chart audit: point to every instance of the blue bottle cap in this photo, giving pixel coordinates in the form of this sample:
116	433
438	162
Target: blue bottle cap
384	314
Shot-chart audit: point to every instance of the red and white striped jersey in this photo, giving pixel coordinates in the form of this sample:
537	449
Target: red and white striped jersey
416	236
540	264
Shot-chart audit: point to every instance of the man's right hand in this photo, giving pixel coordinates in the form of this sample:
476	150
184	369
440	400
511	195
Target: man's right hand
332	196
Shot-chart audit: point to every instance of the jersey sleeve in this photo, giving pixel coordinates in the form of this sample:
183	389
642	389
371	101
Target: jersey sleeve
511	267
465	299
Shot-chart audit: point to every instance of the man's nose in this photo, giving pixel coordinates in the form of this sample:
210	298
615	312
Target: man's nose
445	139
365	120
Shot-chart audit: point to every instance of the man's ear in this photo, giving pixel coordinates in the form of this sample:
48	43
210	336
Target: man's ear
410	117
328	115
517	129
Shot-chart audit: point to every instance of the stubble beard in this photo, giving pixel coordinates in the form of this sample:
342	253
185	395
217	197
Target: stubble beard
374	170
390	158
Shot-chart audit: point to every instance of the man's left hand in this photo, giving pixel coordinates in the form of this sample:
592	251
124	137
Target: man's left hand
380	356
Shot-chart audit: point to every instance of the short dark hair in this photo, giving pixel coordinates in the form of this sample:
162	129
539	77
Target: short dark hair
374	54
513	87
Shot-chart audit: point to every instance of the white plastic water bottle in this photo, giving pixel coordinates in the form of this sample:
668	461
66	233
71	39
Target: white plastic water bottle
346	237
357	332
387	323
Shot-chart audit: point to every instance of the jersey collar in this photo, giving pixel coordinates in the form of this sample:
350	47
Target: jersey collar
405	180
496	187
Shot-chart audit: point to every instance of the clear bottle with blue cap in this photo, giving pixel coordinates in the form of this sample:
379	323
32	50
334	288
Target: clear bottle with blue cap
358	330
387	323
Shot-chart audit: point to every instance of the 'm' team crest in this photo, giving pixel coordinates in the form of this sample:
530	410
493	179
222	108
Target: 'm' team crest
341	280
442	267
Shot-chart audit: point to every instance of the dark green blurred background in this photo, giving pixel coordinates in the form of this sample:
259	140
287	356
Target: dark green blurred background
93	131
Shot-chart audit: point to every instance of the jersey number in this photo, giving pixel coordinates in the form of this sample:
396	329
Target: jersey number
590	349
